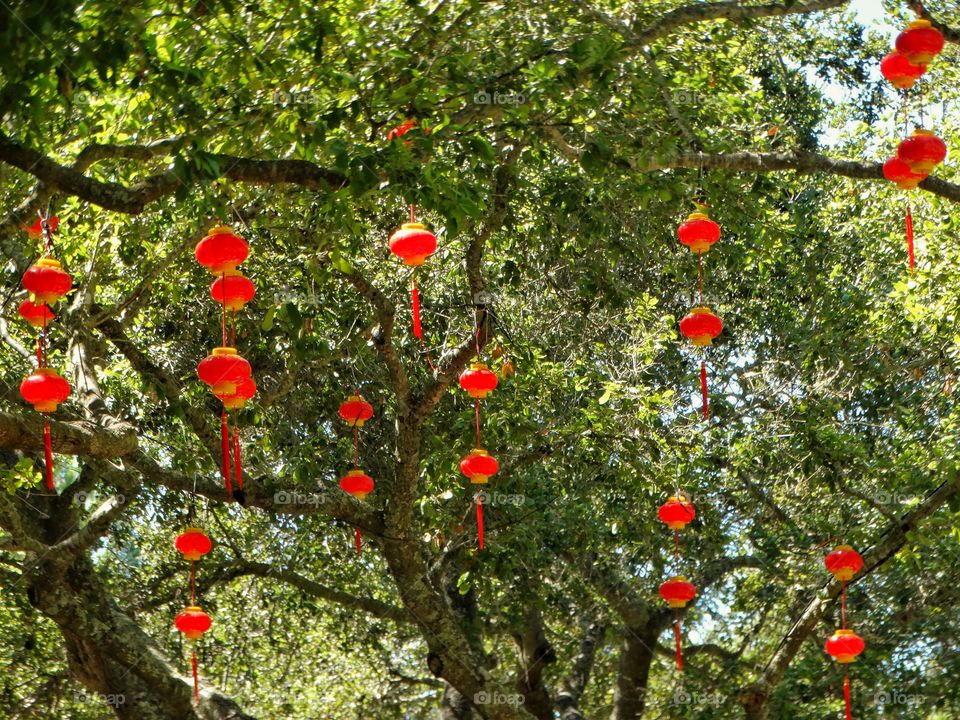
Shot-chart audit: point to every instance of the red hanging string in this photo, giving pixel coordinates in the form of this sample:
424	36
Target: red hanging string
479	499
476	412
196	676
413	217
356	445
193	582
357	540
238	474
233	329
676	552
846	694
703	389
843	604
676	637
700	277
48	453
225	451
910	255
415	304
223	312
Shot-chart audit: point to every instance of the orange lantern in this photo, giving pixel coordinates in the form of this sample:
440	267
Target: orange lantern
478	380
676	513
358	484
355	411
193	544
922	151
221	251
37	314
46	281
901	73
843	563
698	232
920	42
233	290
479	466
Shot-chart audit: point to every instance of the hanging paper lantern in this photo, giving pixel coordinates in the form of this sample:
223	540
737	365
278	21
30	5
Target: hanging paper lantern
193	544
898	172
193	622
46	281
246	389
413	243
36	230
479	466
844	646
899	71
45	389
678	591
221	251
698	232
37	314
356	411
676	513
701	326
920	42
223	371
922	151
233	290
479	381
843	563
357	483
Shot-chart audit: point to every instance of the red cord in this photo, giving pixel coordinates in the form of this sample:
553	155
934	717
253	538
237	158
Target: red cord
238	474
225	451
480	520
48	453
476	412
910	255
357	540
846	694
703	389
196	676
415	303
676	637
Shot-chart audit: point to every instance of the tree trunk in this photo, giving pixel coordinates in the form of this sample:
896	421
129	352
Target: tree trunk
636	654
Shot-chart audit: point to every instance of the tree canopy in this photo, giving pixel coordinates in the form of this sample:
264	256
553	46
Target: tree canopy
555	147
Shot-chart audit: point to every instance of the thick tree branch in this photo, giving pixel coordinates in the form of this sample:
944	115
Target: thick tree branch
76	437
132	199
371	606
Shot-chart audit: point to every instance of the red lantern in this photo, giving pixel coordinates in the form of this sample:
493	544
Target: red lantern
193	544
413	243
356	411
45	389
36	230
701	326
246	389
676	513
193	622
233	290
38	315
478	380
223	371
843	563
899	71
357	483
922	151
898	172
698	232
844	646
221	251
479	466
46	281
678	591
920	42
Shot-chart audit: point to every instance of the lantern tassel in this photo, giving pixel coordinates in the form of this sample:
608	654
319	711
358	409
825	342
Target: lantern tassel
676	638
910	255
48	454
415	303
846	694
196	676
703	389
225	451
357	539
480	520
239	495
